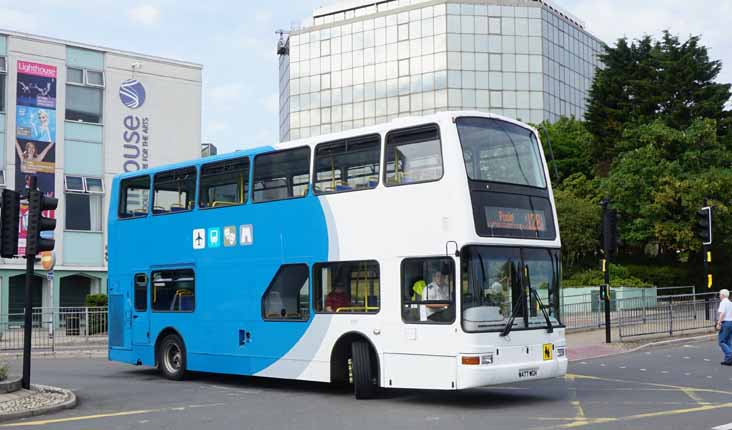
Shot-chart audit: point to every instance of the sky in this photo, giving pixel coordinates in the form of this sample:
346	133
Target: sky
235	41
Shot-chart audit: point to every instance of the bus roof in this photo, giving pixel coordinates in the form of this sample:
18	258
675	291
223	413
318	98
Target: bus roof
311	141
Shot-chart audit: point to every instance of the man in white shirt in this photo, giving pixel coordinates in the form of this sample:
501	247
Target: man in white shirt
724	325
437	290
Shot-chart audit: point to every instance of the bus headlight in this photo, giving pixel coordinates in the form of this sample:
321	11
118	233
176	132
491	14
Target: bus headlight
486	359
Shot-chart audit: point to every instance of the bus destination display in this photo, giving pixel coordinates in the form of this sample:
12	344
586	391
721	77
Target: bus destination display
515	219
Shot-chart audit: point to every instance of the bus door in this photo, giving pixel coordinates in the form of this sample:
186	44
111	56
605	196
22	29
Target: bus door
141	311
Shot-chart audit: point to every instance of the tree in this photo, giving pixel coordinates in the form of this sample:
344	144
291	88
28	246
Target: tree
646	80
579	217
571	145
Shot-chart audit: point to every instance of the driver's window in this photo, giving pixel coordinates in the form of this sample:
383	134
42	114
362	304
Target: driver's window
428	290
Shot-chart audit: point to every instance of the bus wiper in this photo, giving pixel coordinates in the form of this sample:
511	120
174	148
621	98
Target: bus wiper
509	324
549	326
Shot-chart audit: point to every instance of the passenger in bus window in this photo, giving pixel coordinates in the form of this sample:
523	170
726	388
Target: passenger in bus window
337	298
437	290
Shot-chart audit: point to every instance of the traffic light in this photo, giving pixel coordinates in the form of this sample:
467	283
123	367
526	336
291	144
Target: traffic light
704	225
9	223
37	224
610	231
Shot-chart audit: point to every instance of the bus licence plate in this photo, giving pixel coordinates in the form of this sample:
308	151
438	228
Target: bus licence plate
528	373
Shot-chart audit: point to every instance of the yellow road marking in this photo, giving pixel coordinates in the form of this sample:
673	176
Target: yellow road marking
81	418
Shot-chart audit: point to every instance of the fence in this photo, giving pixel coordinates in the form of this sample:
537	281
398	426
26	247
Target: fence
638	312
55	327
667	314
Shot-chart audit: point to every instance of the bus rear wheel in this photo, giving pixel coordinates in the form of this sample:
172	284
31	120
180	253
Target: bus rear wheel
365	385
172	357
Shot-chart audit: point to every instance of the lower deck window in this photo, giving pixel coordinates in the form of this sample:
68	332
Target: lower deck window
288	295
173	290
428	290
347	287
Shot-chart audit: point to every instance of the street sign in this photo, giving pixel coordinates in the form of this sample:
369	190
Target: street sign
49	275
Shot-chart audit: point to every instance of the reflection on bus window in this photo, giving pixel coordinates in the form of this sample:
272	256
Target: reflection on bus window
428	290
173	290
413	156
225	183
347	287
174	191
347	165
288	295
134	197
500	151
281	175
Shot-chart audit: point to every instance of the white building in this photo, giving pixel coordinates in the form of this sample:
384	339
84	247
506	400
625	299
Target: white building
76	115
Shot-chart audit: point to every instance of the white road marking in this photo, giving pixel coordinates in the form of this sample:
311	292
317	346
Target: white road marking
664	371
643	370
723	427
623	367
707	360
583	362
688	374
687	358
602	364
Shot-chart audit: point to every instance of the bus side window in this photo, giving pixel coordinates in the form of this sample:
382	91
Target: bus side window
347	287
347	165
224	183
174	191
288	296
281	175
140	292
428	290
413	156
134	197
173	290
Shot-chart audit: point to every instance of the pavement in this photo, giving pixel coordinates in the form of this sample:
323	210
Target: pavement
583	347
672	386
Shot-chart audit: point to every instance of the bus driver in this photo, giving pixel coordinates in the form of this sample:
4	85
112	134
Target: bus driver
437	290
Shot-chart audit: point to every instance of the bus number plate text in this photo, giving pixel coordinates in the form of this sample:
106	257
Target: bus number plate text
528	373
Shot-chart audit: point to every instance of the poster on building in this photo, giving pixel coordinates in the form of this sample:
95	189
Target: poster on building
35	133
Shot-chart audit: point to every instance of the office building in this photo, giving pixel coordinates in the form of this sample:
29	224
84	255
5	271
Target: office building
75	115
356	63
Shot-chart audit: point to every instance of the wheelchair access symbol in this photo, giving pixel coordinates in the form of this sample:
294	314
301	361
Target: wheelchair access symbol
548	351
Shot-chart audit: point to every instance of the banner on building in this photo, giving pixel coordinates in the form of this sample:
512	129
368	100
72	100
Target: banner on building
35	133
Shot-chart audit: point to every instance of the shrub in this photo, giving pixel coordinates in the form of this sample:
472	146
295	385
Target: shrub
96	300
619	277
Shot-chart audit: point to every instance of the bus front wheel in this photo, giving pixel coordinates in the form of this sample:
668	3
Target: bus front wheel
365	385
172	357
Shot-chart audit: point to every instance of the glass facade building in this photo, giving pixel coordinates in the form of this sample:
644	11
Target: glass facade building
356	64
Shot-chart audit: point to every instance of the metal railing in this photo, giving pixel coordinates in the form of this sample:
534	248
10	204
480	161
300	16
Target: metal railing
667	314
54	328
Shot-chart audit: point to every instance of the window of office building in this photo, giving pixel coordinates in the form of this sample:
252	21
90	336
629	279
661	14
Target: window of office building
84	199
84	95
3	75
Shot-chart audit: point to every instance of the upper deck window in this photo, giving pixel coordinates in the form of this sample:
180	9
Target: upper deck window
134	197
225	183
413	156
174	191
281	175
499	151
347	165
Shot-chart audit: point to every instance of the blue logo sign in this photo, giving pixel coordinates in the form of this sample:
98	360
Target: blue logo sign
214	237
132	93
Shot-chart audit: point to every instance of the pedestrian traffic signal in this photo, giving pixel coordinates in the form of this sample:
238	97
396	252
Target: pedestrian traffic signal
9	223
610	231
704	225
37	224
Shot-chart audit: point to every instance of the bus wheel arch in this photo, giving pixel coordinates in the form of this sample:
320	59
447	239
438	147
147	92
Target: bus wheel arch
170	343
343	352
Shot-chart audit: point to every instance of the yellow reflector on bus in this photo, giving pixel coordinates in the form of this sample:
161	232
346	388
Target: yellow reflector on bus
471	360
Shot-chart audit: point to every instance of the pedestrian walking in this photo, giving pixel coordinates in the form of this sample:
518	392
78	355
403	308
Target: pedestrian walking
724	325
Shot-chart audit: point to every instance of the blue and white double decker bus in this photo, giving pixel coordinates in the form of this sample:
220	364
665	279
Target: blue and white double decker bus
423	253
